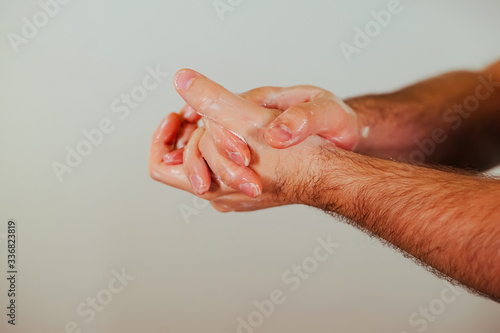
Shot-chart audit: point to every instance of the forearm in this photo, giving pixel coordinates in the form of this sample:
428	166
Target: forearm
448	221
436	121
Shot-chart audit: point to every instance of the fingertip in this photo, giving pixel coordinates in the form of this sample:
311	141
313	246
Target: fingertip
200	185
280	132
173	117
236	157
168	129
174	157
239	154
230	145
276	143
184	78
250	189
251	185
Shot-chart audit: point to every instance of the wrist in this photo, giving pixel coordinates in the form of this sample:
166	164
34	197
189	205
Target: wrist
370	111
363	118
387	123
327	179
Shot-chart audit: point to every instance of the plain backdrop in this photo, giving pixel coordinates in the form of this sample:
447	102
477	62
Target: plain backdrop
199	274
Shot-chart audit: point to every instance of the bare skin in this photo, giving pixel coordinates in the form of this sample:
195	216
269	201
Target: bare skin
448	220
444	103
415	124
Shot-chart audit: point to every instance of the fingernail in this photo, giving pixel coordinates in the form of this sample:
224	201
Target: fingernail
250	189
236	157
174	157
197	183
280	132
184	79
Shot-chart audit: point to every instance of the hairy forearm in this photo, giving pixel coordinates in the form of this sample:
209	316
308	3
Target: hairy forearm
447	220
452	119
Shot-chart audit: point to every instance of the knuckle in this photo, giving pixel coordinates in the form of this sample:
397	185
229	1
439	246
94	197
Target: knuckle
331	104
255	93
227	177
249	96
210	98
312	89
262	95
301	111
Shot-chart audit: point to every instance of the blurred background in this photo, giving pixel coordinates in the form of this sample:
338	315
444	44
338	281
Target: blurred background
103	248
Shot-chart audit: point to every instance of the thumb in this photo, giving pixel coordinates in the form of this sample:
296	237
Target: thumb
330	118
292	126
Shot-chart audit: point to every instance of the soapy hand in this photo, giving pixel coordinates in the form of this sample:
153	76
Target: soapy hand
307	110
283	172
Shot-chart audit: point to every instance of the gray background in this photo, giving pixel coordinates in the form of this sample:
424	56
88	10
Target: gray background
200	274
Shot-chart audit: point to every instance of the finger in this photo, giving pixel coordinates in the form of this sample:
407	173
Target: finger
163	142
214	102
282	98
328	117
263	96
238	202
164	137
175	176
189	114
242	179
194	165
185	132
229	145
174	157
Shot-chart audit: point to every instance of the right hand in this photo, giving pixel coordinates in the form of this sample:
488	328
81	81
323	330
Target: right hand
306	111
284	173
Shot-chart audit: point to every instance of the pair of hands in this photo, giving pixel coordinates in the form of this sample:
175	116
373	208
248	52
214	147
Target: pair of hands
236	160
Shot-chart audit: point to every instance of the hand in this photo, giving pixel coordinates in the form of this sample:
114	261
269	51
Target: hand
283	172
229	145
186	122
307	111
167	162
